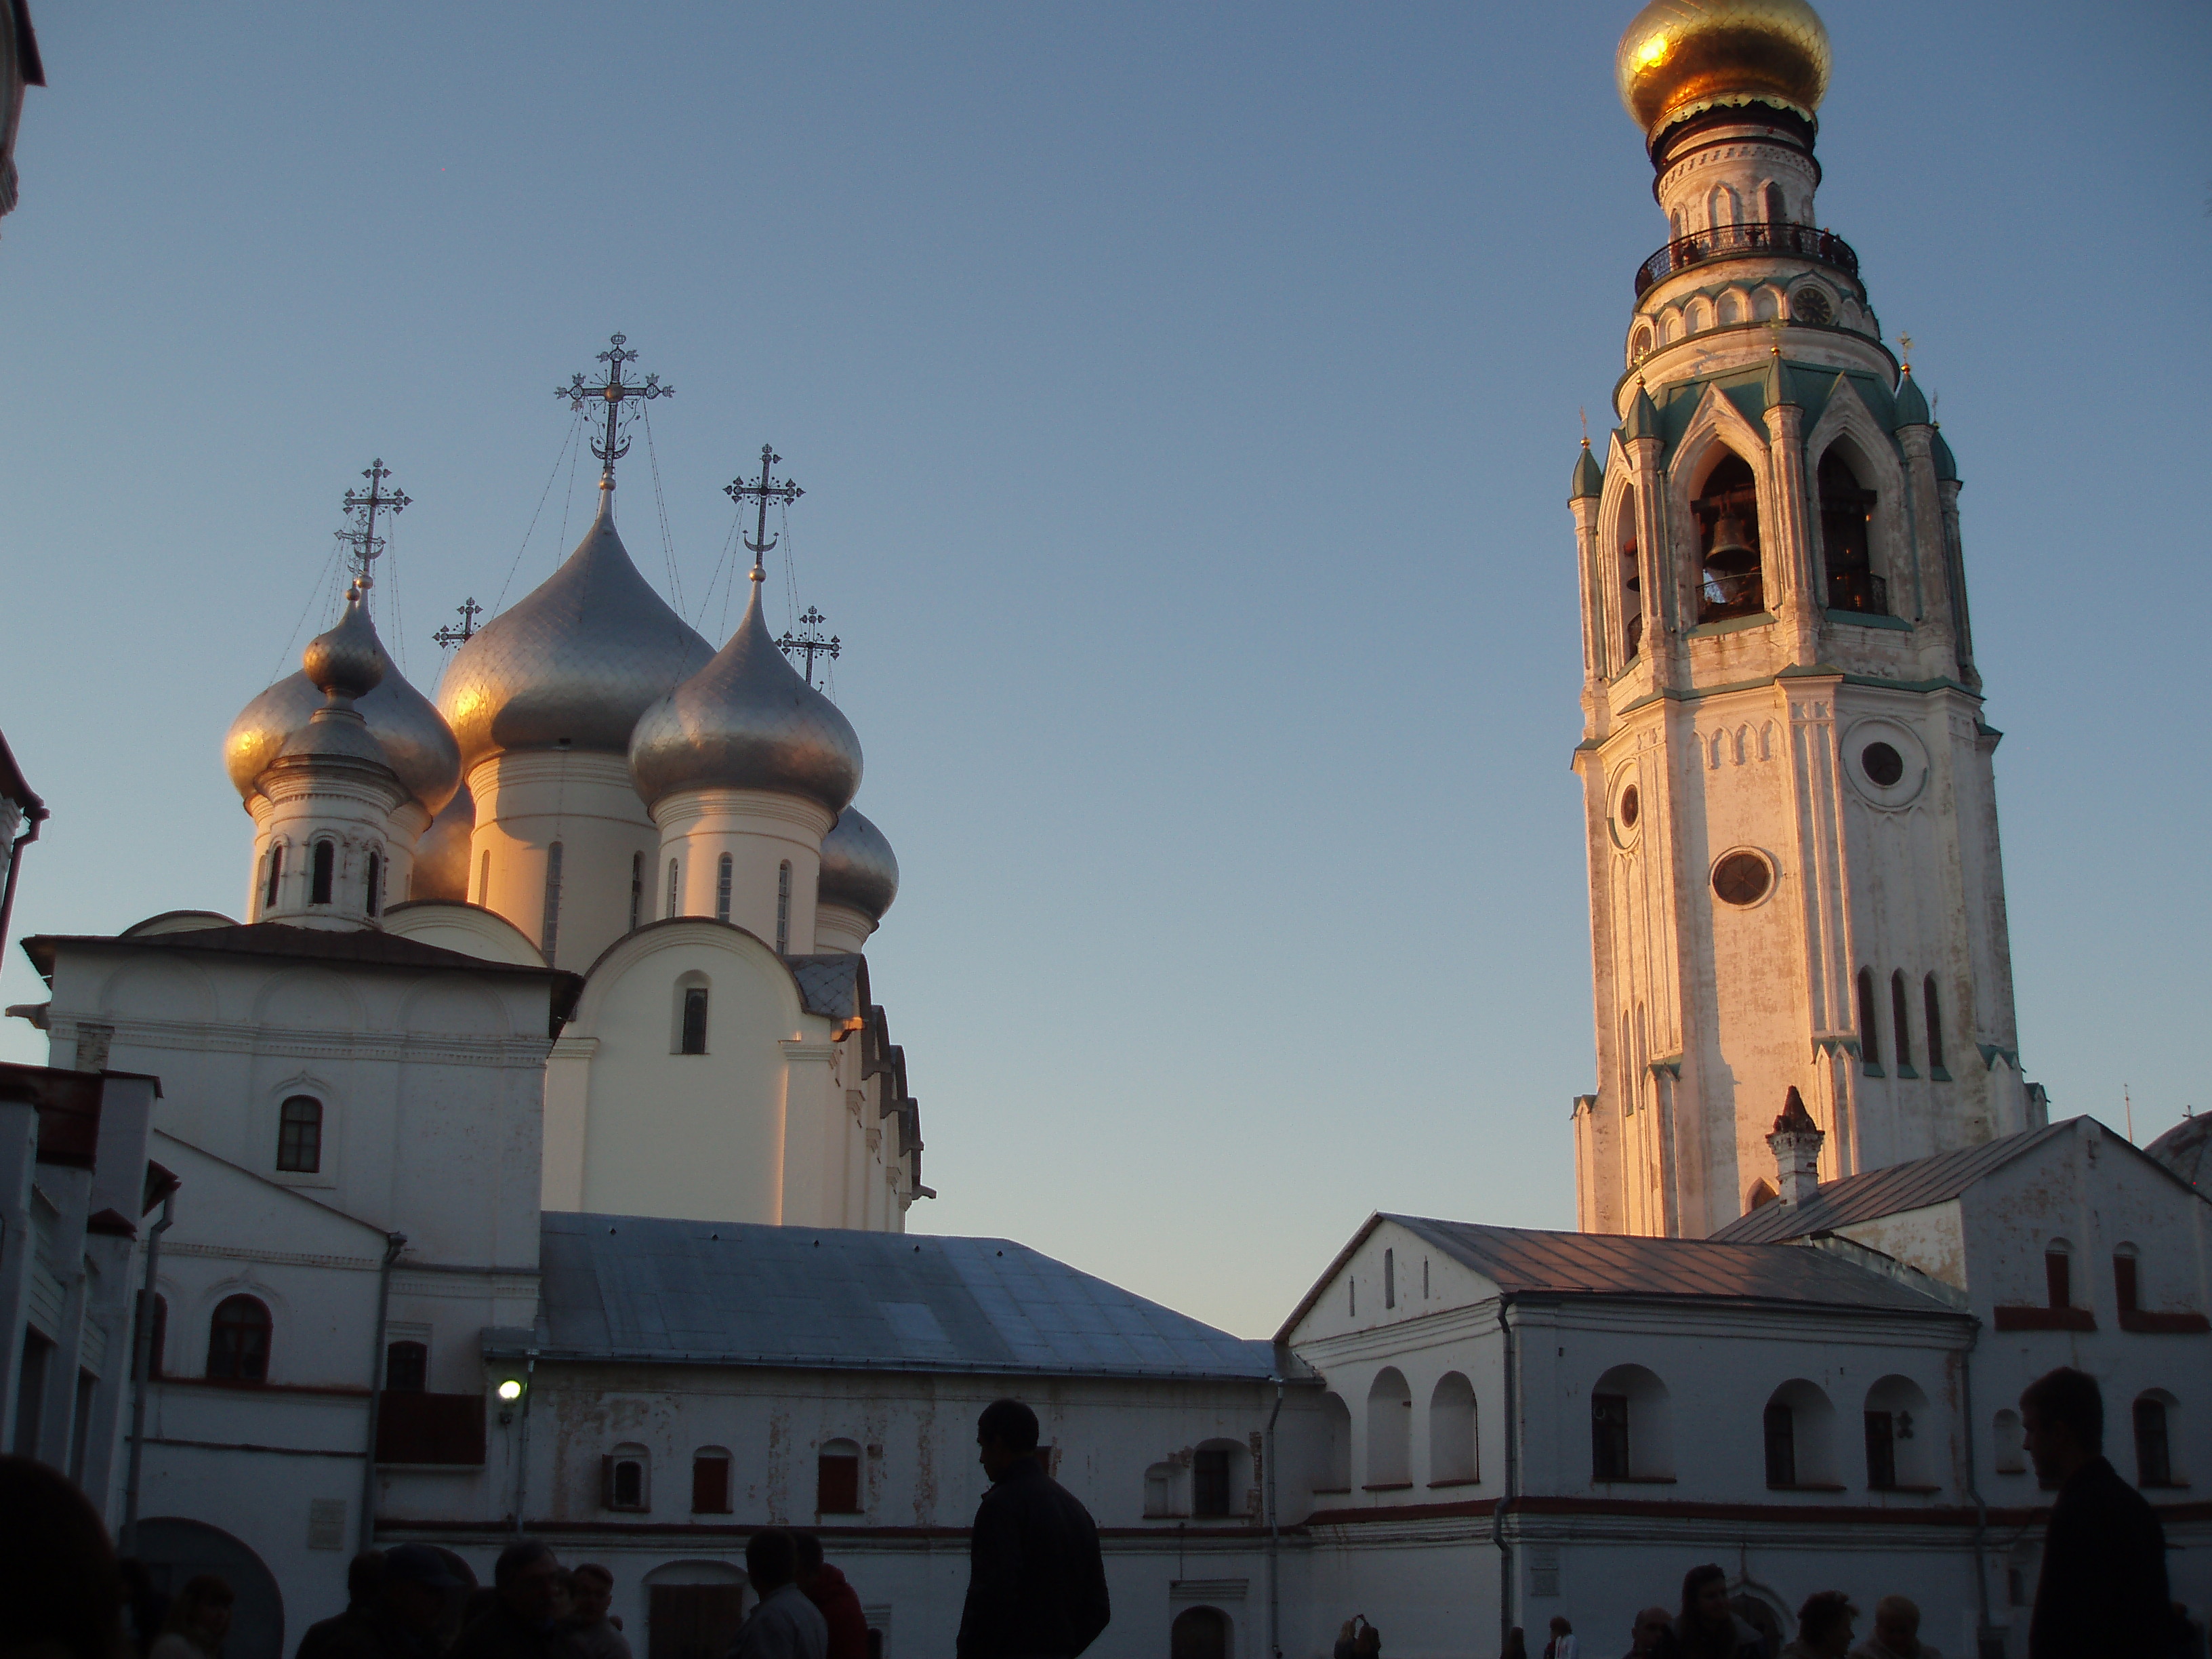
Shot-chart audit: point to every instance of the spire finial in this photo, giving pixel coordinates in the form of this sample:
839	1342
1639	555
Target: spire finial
1582	414
762	490
613	391
362	507
1905	341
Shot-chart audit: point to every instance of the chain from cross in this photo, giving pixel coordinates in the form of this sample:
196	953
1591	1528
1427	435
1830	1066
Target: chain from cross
613	391
362	506
764	489
467	631
811	641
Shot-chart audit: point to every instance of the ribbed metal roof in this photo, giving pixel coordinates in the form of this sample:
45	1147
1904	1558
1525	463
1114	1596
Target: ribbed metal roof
1891	1191
639	1288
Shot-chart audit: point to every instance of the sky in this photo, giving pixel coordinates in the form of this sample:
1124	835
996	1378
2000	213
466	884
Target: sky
1185	398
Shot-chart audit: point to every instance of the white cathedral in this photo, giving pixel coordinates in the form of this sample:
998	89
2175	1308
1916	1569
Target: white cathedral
532	1156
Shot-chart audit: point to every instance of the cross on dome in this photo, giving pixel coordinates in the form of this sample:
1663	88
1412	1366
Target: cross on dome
362	506
812	641
764	489
613	391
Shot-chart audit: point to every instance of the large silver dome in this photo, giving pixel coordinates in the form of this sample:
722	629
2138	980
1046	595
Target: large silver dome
747	720
417	744
576	661
858	867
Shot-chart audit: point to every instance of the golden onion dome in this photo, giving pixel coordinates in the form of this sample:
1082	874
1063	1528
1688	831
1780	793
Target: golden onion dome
415	738
747	720
575	662
1679	57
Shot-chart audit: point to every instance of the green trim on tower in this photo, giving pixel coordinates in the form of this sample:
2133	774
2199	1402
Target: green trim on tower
1642	417
1589	477
1781	388
1911	405
1947	464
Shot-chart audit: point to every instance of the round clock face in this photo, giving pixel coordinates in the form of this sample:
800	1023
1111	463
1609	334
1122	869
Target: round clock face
1742	879
1811	305
1882	763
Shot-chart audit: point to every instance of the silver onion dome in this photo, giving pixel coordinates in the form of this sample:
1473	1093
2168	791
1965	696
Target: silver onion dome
441	856
747	720
417	744
576	662
858	869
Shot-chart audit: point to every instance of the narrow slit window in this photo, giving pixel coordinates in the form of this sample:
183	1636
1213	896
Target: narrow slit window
2126	1289
549	932
375	882
694	1020
483	881
2058	1278
671	887
722	888
783	908
2154	1451
1901	1031
300	1136
1781	1446
275	870
636	890
1608	1437
324	871
1932	1010
1869	1039
1389	1279
1881	1452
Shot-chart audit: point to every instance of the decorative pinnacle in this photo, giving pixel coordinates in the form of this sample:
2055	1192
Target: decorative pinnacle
762	490
613	391
362	506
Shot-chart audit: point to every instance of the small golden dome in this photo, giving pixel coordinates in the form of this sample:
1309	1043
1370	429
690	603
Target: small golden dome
1679	57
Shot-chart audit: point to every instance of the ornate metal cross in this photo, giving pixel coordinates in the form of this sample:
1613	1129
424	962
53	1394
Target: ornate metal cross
467	631
811	641
613	391
362	506
764	489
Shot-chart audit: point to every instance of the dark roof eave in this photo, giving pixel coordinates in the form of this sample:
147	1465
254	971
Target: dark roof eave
1737	1303
517	1348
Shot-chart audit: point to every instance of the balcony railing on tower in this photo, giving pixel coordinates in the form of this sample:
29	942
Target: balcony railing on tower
1731	242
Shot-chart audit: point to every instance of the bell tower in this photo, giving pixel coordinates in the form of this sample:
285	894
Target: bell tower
1796	886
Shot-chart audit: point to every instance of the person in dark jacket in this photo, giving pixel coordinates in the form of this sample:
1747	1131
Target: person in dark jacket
398	1601
1036	1584
826	1587
2103	1588
522	1621
1708	1627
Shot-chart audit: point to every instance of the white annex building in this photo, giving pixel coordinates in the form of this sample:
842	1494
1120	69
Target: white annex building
530	1155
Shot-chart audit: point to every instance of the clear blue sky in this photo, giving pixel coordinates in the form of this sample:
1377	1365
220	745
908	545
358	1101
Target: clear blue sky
1185	397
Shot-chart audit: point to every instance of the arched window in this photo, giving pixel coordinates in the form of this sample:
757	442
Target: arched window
1631	1433
1931	1007
622	1483
722	888
1199	1634
2058	1274
2009	1442
1869	1037
1800	1433
692	1039
1389	1429
1727	513
484	880
1214	1486
837	1479
1781	1445
1846	522
1770	199
671	887
300	1135
1336	1456
238	1339
2153	1442
324	870
276	870
406	1367
549	933
1897	1457
636	890
2127	1285
1762	1193
1900	1028
1454	1453
710	1481
1631	582
375	882
783	908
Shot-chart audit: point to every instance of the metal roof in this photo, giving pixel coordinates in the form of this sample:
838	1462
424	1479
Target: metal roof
834	985
642	1288
1890	1191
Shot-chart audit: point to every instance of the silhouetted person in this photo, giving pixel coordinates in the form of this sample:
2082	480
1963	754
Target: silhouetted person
1824	1627
520	1623
1708	1627
1036	1584
400	1602
1896	1632
2103	1588
198	1620
786	1625
62	1594
1651	1633
364	1590
1562	1644
144	1608
1517	1644
591	1590
839	1604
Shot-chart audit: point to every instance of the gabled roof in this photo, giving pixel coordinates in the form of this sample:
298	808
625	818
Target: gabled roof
702	1292
1900	1187
1527	1261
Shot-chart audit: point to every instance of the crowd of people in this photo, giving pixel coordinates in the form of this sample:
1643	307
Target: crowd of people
1036	1582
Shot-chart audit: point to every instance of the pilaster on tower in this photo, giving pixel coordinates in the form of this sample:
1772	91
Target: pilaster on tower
1795	881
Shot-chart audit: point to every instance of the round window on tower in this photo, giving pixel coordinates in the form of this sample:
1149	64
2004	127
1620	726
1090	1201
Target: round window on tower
1639	343
1742	878
1811	305
1631	807
1883	764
